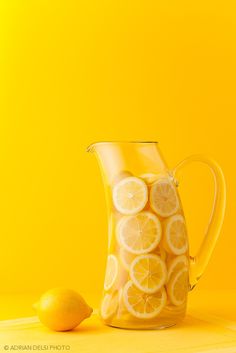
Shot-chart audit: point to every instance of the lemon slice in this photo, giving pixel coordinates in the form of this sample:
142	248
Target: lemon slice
175	235
126	258
143	305
177	288
140	233
176	264
130	195
109	305
111	272
163	198
148	272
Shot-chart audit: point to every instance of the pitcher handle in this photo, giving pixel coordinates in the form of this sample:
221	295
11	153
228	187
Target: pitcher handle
199	262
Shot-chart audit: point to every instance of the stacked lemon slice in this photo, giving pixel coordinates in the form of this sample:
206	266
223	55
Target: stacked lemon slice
148	268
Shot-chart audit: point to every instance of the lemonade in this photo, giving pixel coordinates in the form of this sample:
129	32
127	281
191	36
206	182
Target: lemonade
146	281
149	271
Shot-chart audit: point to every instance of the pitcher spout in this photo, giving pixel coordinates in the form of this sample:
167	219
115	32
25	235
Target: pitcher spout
91	147
137	157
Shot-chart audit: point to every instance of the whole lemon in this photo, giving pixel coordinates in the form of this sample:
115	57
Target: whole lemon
62	309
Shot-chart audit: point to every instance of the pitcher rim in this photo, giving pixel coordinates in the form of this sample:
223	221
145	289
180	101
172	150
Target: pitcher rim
92	145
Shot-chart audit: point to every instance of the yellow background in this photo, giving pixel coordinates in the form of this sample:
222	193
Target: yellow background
74	72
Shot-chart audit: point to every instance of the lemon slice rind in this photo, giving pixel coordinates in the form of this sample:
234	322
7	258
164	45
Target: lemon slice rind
176	281
168	240
129	202
109	305
138	299
176	264
124	234
144	267
111	272
163	198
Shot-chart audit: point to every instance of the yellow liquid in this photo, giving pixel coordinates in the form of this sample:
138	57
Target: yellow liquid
120	315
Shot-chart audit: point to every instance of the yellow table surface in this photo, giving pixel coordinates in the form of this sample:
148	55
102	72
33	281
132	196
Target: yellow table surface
210	326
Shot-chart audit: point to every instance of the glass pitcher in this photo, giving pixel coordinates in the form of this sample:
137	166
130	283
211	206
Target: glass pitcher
149	271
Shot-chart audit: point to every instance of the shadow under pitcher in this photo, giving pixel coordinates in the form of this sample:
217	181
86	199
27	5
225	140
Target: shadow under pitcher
149	270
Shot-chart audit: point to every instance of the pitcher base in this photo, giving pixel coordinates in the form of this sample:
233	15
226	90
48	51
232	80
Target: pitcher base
136	325
128	327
